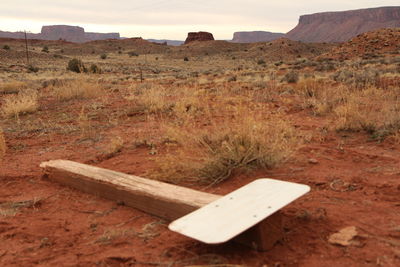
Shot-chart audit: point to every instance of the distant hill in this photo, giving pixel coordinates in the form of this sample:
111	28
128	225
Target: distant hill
65	32
169	42
342	26
256	36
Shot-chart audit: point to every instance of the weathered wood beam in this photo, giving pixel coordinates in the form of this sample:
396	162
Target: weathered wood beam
157	198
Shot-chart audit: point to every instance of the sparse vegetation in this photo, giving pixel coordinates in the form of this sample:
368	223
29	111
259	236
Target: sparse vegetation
77	89
95	69
212	154
103	56
22	103
291	77
76	65
6	47
133	54
294	111
3	146
12	87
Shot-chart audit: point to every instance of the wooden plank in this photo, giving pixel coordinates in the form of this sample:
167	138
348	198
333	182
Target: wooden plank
154	197
227	217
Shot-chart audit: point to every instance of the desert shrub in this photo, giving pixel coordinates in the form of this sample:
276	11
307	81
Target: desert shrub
12	87
6	47
322	98
95	69
326	67
76	89
45	49
261	62
133	54
32	68
3	146
372	110
86	128
103	56
76	65
357	78
211	154
185	59
22	103
232	78
291	77
148	98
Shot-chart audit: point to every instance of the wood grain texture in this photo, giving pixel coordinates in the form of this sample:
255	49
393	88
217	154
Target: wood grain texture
154	197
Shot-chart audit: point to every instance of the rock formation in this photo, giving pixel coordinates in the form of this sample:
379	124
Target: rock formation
68	33
199	36
256	36
342	26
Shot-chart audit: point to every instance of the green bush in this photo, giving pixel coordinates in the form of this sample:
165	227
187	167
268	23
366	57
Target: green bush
103	56
6	47
45	49
76	65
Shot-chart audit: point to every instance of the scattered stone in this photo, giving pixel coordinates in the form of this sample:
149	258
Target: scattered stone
313	161
344	237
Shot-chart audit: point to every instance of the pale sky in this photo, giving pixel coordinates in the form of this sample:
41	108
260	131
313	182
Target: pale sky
169	19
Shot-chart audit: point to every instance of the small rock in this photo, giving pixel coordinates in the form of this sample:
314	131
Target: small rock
313	161
344	237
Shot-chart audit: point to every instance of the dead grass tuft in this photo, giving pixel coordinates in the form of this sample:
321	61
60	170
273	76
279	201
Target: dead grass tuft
116	144
12	208
150	99
77	89
22	103
85	125
3	146
12	87
373	110
211	154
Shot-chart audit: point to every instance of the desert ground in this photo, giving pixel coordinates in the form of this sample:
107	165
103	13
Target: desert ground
212	116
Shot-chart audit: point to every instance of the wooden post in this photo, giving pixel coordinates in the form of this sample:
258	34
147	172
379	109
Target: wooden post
160	199
26	49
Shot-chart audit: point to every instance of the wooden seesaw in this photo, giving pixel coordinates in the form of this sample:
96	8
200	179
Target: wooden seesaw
249	215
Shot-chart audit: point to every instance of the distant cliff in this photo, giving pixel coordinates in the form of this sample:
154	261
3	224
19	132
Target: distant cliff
256	36
342	26
65	32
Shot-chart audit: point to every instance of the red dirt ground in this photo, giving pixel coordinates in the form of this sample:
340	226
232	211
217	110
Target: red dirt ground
354	181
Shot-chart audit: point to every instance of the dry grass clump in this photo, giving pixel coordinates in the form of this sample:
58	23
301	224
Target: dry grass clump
85	126
150	98
373	110
12	87
211	154
115	145
77	89
320	96
22	103
3	146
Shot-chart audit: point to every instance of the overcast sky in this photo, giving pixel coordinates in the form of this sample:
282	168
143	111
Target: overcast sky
169	19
